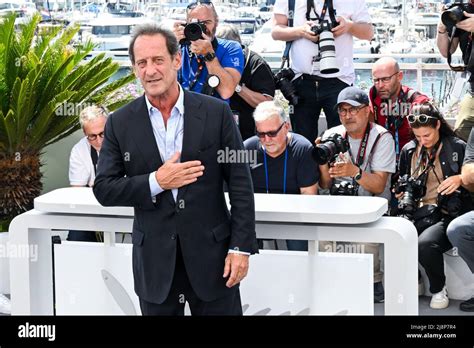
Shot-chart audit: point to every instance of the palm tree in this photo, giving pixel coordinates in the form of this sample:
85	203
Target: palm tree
41	76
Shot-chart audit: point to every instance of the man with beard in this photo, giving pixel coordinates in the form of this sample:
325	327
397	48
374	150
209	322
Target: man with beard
391	102
208	56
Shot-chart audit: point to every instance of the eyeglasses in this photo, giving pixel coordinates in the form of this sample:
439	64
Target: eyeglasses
192	5
93	137
271	134
353	110
420	118
384	79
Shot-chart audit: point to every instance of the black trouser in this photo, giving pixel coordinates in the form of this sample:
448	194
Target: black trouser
182	291
315	94
432	244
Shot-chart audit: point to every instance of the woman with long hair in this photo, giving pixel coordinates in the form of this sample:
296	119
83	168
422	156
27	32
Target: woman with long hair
430	191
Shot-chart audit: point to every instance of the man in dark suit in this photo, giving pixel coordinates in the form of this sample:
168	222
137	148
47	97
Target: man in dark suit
160	155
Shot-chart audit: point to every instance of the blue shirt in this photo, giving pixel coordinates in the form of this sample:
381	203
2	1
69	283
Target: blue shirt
169	138
228	53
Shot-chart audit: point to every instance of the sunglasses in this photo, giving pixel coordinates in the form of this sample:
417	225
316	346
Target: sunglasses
420	118
271	134
93	137
197	3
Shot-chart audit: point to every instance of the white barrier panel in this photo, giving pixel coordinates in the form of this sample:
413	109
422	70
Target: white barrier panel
312	218
94	280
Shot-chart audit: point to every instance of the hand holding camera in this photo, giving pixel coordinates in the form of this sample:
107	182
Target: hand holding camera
201	46
344	26
178	30
343	169
460	15
468	23
308	33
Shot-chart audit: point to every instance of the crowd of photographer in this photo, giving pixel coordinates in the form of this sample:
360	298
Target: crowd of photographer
391	142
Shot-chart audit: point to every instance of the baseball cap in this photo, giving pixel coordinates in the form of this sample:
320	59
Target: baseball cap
353	96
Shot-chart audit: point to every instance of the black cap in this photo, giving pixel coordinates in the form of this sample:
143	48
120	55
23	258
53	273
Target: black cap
353	96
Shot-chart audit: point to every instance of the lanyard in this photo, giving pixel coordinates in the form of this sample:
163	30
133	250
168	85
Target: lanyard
362	146
266	168
426	160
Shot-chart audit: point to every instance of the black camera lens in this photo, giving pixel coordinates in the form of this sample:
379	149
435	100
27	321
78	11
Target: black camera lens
323	153
193	31
452	16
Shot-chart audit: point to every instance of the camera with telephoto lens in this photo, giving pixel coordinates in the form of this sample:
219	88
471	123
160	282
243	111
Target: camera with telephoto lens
413	190
328	150
455	13
451	204
327	47
283	83
193	31
344	188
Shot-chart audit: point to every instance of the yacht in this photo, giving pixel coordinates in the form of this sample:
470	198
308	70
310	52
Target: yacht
112	33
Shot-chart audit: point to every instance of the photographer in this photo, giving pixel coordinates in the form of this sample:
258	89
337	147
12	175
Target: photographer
283	159
316	61
204	55
430	191
461	230
364	163
256	85
462	23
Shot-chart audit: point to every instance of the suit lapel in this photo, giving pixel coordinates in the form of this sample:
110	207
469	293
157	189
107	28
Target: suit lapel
144	137
194	121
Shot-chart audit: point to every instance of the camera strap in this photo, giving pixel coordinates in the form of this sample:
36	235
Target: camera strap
362	146
469	48
291	17
328	6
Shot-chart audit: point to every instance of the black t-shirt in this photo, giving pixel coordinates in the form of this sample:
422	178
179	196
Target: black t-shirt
301	170
469	156
258	77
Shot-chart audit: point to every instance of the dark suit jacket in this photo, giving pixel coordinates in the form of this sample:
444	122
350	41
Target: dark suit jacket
199	217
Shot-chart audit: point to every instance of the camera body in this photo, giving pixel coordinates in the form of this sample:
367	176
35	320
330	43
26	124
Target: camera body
193	31
328	150
452	204
322	26
454	14
413	190
283	83
344	188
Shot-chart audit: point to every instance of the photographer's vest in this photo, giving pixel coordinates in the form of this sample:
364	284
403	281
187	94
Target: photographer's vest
392	115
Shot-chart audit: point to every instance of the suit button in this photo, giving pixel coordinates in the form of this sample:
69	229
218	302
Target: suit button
173	236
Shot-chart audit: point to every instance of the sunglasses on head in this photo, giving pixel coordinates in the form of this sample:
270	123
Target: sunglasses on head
197	3
420	118
271	134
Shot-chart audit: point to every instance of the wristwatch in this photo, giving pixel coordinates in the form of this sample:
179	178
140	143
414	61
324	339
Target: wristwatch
238	89
209	57
358	176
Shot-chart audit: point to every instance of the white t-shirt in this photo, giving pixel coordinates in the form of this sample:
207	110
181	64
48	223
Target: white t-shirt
303	50
81	168
382	158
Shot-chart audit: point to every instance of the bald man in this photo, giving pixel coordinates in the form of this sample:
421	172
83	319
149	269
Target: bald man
391	102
